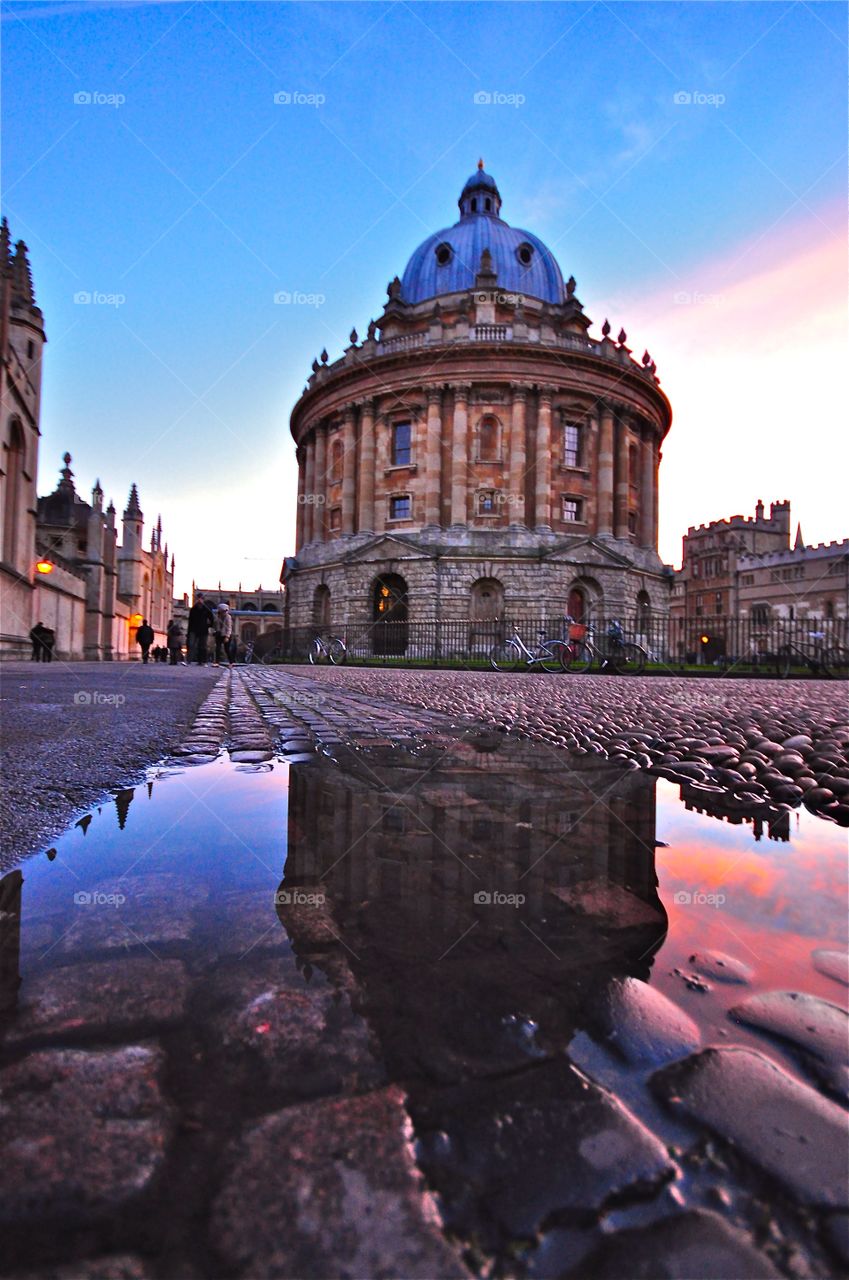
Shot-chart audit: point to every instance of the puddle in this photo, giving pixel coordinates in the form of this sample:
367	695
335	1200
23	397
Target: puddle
486	899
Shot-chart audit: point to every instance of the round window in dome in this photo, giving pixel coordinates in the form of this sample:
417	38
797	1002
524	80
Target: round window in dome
525	253
444	253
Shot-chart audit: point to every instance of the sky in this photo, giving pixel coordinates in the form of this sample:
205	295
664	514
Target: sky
181	164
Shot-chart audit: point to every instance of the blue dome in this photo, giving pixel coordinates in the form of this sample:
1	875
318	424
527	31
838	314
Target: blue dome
449	260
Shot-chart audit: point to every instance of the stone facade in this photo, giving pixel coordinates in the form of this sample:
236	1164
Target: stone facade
706	584
60	561
257	615
478	455
810	583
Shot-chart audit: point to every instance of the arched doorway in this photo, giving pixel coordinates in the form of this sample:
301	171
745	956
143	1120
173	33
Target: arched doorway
576	604
321	607
584	597
15	495
389	614
486	608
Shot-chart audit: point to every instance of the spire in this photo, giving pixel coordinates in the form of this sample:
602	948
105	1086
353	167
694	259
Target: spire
480	164
133	508
97	496
5	247
799	544
22	291
67	481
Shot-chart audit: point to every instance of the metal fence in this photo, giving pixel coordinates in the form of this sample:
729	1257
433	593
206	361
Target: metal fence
727	644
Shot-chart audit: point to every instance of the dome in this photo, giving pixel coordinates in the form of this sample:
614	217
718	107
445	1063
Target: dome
449	260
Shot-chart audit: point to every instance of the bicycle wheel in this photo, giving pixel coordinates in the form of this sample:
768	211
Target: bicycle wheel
783	663
505	656
549	655
337	652
627	659
576	657
316	653
835	662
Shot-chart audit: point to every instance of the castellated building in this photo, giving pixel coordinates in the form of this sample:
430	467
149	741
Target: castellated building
478	455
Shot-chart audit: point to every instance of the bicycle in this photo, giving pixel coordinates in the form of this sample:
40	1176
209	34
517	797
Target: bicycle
620	656
513	654
332	650
832	660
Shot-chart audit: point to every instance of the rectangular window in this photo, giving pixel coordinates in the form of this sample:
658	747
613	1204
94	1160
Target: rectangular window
718	602
632	522
335	518
400	507
571	445
402	444
571	509
486	503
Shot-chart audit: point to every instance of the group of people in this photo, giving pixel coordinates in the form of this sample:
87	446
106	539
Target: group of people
203	619
42	640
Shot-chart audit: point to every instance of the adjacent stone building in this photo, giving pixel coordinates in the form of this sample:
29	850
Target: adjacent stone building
257	615
478	455
60	561
706	584
795	584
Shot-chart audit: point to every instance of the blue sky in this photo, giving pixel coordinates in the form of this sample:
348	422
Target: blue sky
191	198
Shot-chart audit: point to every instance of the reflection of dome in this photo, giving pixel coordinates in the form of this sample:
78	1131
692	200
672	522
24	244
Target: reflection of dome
449	260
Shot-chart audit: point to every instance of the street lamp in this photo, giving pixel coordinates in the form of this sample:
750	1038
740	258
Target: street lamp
45	566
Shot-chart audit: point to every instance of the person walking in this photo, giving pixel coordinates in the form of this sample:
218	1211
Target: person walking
37	638
200	622
144	639
174	636
223	633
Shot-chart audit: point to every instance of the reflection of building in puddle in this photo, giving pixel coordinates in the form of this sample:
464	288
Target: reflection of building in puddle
10	939
775	822
481	894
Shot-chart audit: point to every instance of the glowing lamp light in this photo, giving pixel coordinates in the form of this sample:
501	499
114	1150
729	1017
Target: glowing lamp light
45	566
136	620
704	639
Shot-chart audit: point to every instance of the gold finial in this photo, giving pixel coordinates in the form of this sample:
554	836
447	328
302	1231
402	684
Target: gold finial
480	164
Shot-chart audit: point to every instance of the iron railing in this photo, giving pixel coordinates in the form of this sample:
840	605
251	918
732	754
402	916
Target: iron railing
725	645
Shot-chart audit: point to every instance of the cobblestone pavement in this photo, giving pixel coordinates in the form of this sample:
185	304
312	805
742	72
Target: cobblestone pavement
189	1091
71	731
758	744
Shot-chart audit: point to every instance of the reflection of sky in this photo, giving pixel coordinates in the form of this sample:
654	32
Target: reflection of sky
782	901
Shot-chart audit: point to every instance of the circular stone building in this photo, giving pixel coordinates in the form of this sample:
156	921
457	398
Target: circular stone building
478	455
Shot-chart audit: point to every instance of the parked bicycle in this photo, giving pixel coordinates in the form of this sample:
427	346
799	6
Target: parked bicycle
613	653
513	654
830	659
332	650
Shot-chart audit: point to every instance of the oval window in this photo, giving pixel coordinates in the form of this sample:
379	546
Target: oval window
525	254
444	254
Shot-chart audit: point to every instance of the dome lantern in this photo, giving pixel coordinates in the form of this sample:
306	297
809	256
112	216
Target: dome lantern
480	196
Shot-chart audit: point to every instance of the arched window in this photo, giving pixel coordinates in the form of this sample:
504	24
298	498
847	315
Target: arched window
474	205
14	492
761	614
336	455
488	450
321	606
643	610
829	610
248	633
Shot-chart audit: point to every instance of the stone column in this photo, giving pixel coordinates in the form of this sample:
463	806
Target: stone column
366	520
518	458
542	515
605	472
656	457
433	450
349	471
623	478
647	491
309	490
320	483
460	455
300	455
